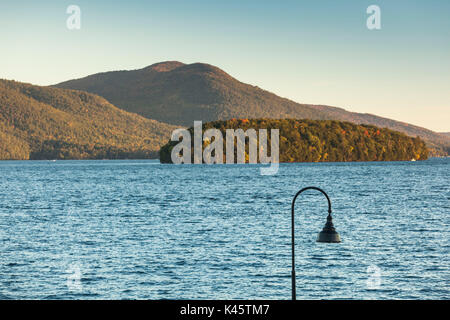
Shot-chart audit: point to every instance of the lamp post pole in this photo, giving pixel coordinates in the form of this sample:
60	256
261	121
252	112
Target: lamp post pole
330	234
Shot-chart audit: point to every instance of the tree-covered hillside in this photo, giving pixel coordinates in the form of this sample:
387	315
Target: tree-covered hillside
324	141
50	123
178	93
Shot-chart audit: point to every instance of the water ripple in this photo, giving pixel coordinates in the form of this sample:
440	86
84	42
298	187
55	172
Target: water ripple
141	230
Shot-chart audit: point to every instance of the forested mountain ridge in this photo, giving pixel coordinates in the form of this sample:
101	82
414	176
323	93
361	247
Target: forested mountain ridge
323	141
178	93
51	123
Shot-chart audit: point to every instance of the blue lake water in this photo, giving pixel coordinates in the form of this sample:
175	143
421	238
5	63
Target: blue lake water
142	230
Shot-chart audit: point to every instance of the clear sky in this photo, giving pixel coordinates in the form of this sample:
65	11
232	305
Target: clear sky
317	52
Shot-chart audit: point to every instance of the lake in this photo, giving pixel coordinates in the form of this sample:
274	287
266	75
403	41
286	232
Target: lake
143	230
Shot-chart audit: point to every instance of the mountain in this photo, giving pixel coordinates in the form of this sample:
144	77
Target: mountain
320	141
178	93
51	123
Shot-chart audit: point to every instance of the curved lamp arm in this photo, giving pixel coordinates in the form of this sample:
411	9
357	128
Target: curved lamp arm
293	233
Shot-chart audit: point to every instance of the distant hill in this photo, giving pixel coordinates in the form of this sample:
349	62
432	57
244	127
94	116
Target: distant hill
178	93
51	123
323	141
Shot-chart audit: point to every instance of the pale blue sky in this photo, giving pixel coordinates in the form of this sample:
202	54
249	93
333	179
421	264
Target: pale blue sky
309	51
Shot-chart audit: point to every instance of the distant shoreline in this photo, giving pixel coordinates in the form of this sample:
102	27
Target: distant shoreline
66	160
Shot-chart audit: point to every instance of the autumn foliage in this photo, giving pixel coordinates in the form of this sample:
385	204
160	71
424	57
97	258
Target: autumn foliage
326	141
49	123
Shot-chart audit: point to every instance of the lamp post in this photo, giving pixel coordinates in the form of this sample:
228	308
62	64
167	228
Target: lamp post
328	233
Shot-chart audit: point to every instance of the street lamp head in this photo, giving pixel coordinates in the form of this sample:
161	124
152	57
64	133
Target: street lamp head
329	233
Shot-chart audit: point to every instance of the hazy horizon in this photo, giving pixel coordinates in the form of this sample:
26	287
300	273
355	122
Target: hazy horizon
315	53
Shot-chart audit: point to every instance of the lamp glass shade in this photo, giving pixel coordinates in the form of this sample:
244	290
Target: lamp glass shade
329	233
